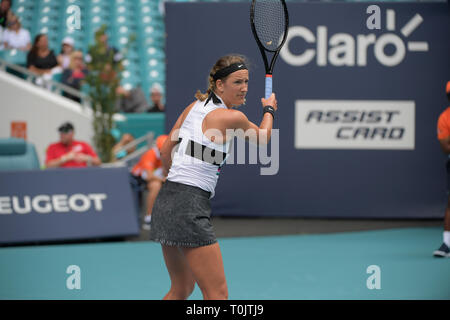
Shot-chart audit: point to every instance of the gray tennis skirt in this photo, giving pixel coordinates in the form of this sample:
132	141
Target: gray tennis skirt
181	216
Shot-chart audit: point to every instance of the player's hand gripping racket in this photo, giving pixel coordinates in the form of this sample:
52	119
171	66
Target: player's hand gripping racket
269	20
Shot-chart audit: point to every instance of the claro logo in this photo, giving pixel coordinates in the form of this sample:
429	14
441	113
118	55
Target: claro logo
52	203
346	50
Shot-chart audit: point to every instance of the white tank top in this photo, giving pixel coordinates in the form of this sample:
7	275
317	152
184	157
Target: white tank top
188	167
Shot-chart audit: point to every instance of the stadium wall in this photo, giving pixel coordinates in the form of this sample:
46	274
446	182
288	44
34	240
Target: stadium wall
358	107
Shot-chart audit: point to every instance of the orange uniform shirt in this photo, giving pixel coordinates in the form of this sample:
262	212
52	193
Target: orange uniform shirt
149	161
443	126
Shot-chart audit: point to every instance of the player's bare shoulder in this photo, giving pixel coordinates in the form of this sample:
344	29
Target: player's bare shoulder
230	118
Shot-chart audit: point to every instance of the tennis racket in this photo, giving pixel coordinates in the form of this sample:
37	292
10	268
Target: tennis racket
269	21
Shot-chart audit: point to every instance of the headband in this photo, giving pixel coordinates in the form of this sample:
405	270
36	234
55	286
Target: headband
222	73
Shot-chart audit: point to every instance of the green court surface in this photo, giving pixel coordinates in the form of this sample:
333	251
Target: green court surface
325	266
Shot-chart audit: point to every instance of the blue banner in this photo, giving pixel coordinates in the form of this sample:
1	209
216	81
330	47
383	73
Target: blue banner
359	87
66	204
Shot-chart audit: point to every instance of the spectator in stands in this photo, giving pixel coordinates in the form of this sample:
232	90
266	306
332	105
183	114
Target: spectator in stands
74	75
69	152
5	9
41	60
117	152
149	169
2	29
110	49
156	97
66	51
1	38
106	48
131	100
16	37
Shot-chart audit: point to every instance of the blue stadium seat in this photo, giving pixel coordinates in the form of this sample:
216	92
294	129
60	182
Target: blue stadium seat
127	3
140	124
124	31
98	11
133	69
149	9
66	3
152	52
122	20
124	11
49	23
25	15
17	154
130	83
132	56
150	3
54	4
77	35
28	4
52	12
103	3
15	56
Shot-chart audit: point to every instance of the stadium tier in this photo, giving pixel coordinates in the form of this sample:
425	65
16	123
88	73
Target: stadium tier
144	58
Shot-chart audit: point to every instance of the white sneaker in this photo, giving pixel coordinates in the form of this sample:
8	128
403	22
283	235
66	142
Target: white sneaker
146	224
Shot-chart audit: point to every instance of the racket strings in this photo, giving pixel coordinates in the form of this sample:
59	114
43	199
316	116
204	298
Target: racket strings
270	23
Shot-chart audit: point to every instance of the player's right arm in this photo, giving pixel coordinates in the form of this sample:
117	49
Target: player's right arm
258	134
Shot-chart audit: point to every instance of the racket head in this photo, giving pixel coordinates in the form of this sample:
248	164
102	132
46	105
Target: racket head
269	22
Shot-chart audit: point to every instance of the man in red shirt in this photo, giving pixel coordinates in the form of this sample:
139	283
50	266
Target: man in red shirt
69	153
444	139
149	168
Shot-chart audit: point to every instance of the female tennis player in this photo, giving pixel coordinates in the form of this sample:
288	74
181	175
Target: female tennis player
181	214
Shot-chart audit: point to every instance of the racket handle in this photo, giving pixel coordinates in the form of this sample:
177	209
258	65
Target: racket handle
268	86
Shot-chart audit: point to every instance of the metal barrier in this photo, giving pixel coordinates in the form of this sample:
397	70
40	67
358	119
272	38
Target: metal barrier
51	85
133	158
